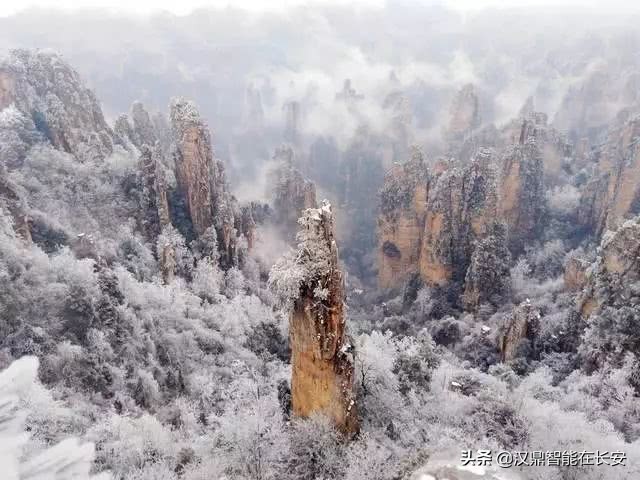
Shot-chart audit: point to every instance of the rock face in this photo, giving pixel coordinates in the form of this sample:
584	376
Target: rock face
553	146
167	261
430	222
321	354
488	276
575	273
46	89
522	200
611	279
522	323
444	225
461	206
143	129
154	205
201	179
194	162
592	103
139	132
613	195
464	114
403	203
292	193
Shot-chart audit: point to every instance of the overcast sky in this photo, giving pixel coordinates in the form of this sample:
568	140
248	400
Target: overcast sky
181	7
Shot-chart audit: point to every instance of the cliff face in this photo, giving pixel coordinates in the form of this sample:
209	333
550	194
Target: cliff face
461	205
429	223
321	354
42	99
292	193
464	114
444	226
522	200
554	148
614	193
154	205
488	276
403	203
201	179
194	162
522	323
611	279
575	273
143	129
46	89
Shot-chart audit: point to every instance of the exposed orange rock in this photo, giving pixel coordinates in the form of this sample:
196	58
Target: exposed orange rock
401	222
429	224
614	193
611	278
462	204
521	191
321	354
201	179
194	160
575	273
167	260
523	322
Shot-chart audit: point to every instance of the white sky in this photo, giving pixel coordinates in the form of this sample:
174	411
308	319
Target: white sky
181	7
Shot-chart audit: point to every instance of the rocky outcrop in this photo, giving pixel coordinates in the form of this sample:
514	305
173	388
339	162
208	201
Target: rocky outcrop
247	224
46	89
429	222
403	203
321	353
291	193
521	193
167	261
592	103
124	134
464	113
139	132
154	205
555	150
522	323
462	205
194	162
292	121
611	279
575	273
143	128
488	278
201	179
613	194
